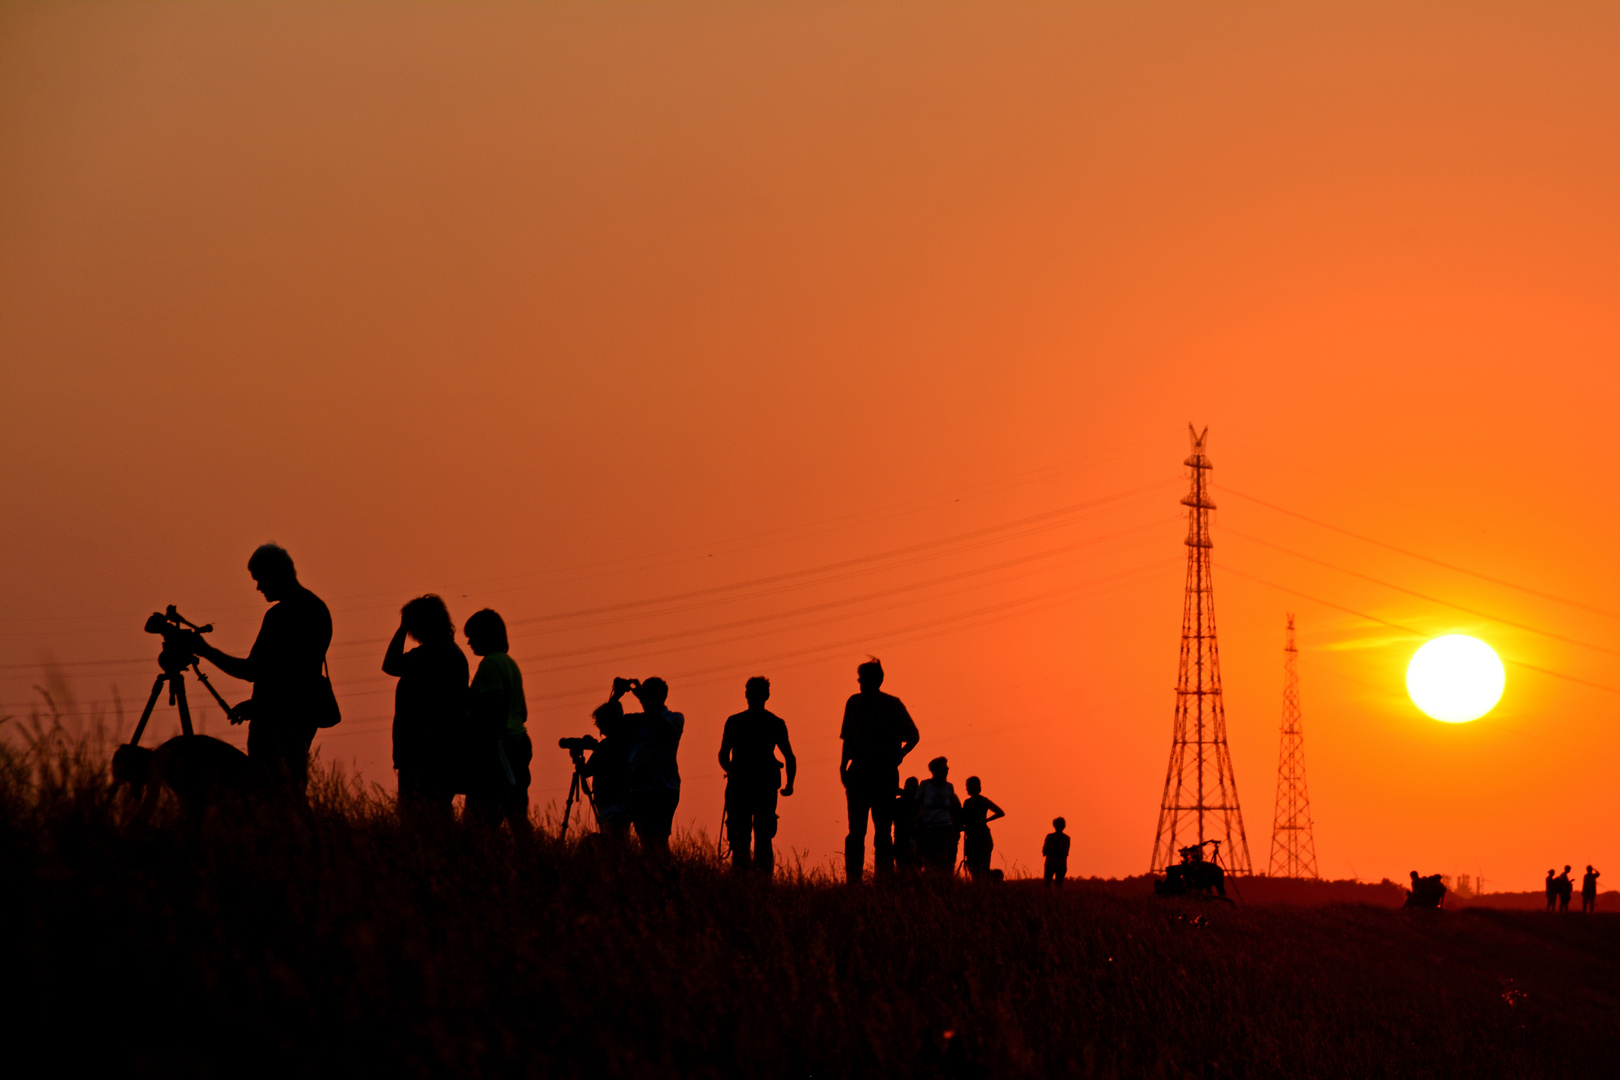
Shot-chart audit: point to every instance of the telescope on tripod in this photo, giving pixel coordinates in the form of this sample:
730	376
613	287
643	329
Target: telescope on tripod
180	636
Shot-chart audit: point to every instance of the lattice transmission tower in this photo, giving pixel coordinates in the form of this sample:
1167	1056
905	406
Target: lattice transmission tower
1293	849
1200	799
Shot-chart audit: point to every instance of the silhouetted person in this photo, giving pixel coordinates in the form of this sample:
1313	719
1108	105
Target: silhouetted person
1566	889
754	776
938	815
654	743
1589	890
609	770
905	826
430	706
977	843
878	733
285	667
1056	853
497	721
1552	891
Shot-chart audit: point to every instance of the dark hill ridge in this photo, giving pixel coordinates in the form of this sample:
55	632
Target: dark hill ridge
339	942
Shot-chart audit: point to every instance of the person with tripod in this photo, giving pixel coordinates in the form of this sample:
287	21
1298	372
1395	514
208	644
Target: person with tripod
754	776
291	694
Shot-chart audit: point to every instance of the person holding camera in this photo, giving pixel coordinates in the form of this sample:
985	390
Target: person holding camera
286	667
754	776
497	778
430	706
653	741
878	733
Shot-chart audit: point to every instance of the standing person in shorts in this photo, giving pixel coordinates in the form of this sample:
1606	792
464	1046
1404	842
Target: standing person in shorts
498	758
938	819
754	777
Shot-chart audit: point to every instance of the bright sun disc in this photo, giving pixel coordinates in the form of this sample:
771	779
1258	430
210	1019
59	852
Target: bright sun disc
1455	678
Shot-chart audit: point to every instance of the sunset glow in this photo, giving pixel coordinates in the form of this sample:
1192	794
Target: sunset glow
1455	678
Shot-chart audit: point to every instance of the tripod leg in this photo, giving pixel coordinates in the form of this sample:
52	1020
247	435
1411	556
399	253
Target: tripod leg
146	713
568	805
179	684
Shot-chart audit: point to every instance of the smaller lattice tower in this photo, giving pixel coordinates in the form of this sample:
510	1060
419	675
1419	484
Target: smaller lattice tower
1293	850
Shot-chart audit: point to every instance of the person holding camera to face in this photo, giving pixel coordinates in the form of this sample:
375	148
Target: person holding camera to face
608	768
652	743
291	694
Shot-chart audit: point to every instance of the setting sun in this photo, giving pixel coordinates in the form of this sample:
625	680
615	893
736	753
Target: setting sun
1455	678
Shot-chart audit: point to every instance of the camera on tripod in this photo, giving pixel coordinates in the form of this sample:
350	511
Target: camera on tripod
578	745
180	637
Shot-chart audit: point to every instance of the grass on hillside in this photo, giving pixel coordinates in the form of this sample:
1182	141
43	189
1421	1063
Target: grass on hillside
339	940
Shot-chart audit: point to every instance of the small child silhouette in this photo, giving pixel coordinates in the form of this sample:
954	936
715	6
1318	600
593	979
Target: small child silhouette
1056	850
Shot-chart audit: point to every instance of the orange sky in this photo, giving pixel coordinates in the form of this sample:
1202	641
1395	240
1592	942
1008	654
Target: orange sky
555	308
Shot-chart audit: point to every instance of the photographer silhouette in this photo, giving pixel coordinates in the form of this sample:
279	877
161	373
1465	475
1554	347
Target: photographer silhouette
291	695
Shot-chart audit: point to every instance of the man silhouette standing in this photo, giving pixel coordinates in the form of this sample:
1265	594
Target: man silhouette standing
753	776
1589	890
285	668
1566	889
1552	891
878	733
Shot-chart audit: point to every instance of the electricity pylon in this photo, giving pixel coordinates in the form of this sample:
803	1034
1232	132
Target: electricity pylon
1293	849
1200	799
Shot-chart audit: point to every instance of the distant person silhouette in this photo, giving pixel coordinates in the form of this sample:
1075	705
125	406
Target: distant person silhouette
938	819
652	750
1589	890
1566	889
977	843
1552	891
905	826
497	778
609	770
1056	852
285	667
430	706
1426	892
877	733
748	748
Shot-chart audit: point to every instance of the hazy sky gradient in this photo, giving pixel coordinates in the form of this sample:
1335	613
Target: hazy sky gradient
555	308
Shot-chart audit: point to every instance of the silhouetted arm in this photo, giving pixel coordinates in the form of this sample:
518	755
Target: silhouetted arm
237	667
788	758
909	736
394	658
995	812
726	750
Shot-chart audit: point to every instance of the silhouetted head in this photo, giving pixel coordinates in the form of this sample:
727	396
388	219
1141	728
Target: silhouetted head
911	785
427	620
605	717
973	785
132	765
1588	868
1059	824
938	768
652	693
1566	868
486	632
870	675
758	691
272	570
1414	877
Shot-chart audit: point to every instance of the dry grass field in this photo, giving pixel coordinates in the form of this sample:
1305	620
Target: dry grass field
339	941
